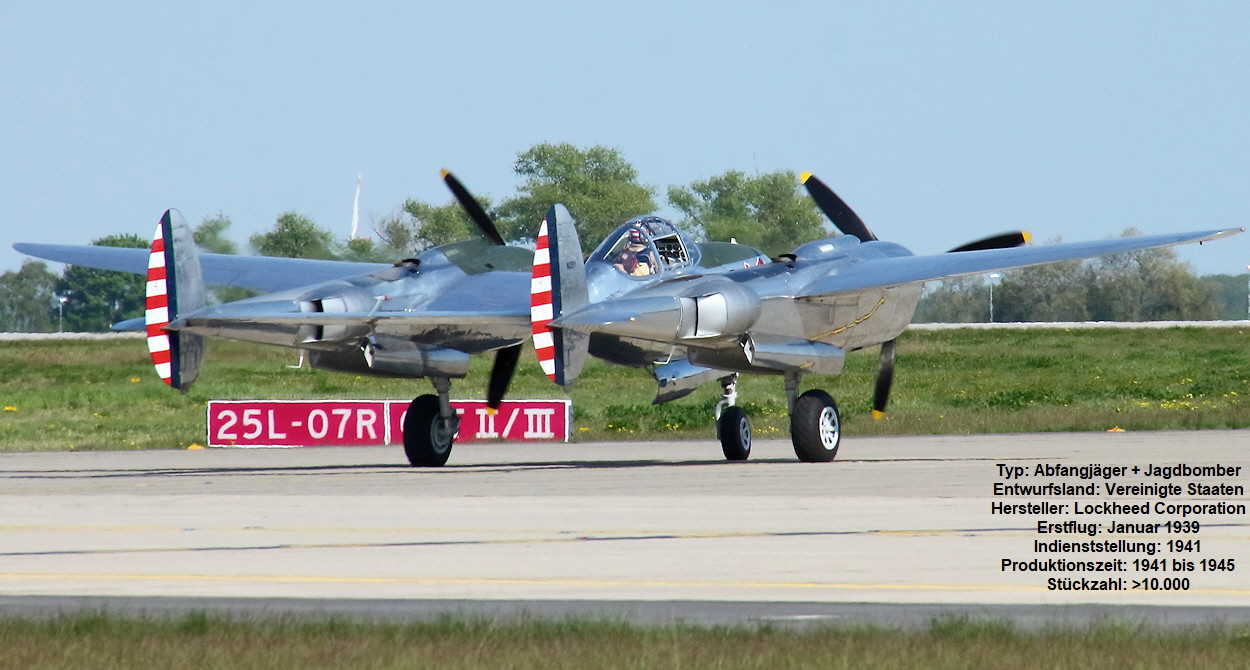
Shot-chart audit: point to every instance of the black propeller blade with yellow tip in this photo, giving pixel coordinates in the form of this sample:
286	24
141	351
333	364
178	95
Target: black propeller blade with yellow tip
849	223
838	211
885	379
1004	241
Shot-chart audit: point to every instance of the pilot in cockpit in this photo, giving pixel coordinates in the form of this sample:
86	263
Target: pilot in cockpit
635	258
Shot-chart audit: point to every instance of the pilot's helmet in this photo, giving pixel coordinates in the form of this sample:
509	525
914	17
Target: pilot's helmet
637	239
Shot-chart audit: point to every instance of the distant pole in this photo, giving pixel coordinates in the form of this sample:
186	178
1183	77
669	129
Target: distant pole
356	207
993	276
60	313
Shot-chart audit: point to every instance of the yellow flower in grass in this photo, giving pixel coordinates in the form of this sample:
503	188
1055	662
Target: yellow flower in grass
10	408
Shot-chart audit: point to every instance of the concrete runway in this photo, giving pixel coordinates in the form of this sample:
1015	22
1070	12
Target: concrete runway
651	531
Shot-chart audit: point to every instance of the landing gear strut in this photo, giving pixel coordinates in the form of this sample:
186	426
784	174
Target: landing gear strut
732	426
430	426
815	424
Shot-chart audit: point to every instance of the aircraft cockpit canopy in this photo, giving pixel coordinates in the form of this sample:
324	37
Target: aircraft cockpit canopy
646	245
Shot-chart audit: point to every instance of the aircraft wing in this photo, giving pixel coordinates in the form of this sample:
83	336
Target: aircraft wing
259	273
886	272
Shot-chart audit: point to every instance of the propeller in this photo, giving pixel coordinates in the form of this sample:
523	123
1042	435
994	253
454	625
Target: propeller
505	359
1005	241
501	374
473	209
849	223
885	378
838	211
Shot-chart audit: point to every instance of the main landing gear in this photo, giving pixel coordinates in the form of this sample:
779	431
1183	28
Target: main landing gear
430	426
815	425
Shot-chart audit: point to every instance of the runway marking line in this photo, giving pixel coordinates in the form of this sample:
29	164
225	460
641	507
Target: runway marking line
563	538
570	538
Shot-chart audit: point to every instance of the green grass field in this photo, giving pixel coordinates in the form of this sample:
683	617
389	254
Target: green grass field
86	394
205	641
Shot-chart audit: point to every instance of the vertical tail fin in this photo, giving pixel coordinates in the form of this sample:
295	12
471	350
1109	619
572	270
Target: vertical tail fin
175	288
558	286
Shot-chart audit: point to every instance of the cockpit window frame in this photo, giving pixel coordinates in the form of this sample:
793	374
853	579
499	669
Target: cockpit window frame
664	244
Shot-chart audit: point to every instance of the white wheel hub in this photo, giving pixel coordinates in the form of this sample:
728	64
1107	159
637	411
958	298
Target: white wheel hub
829	428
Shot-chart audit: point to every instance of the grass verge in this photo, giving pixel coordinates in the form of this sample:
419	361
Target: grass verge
209	641
70	395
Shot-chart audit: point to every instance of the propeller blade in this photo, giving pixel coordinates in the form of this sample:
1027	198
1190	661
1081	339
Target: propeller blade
885	378
1018	238
501	374
473	208
838	211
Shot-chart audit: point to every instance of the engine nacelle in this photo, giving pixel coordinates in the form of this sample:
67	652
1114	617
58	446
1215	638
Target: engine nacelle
394	357
710	308
680	378
729	310
338	302
763	352
786	353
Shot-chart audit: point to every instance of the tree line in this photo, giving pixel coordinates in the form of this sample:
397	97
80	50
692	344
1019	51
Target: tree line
1147	285
602	190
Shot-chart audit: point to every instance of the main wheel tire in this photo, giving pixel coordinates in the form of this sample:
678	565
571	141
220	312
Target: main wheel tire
734	430
815	427
427	438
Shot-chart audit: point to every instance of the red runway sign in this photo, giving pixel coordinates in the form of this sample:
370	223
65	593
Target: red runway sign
307	423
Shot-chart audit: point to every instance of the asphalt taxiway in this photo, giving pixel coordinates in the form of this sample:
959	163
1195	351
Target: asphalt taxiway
895	528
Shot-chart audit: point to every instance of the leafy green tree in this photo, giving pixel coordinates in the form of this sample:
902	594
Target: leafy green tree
956	300
419	226
1230	294
767	211
365	250
1148	285
25	299
598	185
294	236
96	299
1051	292
210	235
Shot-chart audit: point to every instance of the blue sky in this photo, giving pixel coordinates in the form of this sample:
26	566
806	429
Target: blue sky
938	122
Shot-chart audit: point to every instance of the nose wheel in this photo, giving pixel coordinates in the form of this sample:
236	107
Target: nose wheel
734	430
732	426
